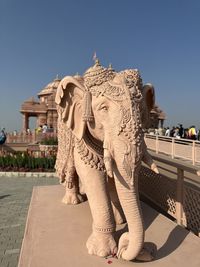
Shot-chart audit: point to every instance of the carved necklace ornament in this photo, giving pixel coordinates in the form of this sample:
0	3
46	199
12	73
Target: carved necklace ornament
91	151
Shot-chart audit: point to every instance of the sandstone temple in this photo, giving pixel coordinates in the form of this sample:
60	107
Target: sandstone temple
45	109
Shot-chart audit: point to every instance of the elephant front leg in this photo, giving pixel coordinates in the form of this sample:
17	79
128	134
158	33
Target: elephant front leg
101	241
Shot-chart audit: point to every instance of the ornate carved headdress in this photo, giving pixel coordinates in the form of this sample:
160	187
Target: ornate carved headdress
100	80
97	75
94	78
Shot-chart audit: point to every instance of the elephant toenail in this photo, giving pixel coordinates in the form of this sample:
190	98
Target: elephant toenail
90	251
103	253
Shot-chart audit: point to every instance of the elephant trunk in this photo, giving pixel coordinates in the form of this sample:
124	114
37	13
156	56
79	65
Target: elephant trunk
130	243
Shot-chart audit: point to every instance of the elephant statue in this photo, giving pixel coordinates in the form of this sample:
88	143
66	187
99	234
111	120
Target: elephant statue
101	117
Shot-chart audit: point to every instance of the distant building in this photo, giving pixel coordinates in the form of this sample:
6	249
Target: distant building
45	109
157	117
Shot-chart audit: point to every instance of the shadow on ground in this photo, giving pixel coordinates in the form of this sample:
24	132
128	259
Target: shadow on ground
4	196
174	240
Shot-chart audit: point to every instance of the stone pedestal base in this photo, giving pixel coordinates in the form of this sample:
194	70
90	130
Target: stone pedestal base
56	234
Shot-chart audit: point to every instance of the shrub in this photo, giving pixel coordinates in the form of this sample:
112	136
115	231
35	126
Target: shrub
49	141
22	161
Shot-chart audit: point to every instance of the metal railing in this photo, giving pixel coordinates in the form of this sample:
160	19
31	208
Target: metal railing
174	147
173	192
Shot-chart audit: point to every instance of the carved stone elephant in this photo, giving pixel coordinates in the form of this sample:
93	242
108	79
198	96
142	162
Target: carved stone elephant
101	116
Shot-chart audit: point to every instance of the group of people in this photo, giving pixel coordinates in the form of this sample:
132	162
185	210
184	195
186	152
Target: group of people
44	129
40	129
180	132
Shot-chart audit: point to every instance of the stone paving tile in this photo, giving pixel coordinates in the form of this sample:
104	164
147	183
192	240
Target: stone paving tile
15	195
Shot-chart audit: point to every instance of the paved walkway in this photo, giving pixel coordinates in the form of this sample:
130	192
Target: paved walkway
15	195
46	222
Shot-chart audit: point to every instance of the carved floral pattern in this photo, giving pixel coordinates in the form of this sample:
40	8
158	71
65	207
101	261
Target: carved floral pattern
65	151
113	92
91	152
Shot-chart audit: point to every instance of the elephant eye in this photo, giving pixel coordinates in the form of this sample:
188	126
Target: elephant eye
103	107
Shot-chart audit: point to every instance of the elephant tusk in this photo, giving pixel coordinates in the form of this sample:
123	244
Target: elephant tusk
108	163
147	159
132	177
154	168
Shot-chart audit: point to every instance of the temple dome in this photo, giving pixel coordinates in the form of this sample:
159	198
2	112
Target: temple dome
50	88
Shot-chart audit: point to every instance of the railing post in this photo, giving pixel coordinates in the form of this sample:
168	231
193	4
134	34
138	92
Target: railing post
179	196
8	138
173	147
157	145
34	136
193	153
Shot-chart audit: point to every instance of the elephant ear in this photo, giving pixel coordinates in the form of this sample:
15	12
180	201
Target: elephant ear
71	101
148	103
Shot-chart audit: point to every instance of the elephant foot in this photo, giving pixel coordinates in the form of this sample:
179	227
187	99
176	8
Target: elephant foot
101	244
73	198
147	253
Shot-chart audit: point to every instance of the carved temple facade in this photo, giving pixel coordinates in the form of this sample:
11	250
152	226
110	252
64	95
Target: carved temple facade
45	109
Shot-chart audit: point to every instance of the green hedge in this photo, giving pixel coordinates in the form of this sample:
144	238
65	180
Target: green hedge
49	141
24	161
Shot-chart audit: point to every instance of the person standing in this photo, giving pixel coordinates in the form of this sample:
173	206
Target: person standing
198	135
44	128
167	133
192	133
181	131
172	132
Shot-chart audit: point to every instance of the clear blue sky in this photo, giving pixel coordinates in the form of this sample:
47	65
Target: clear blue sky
42	38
